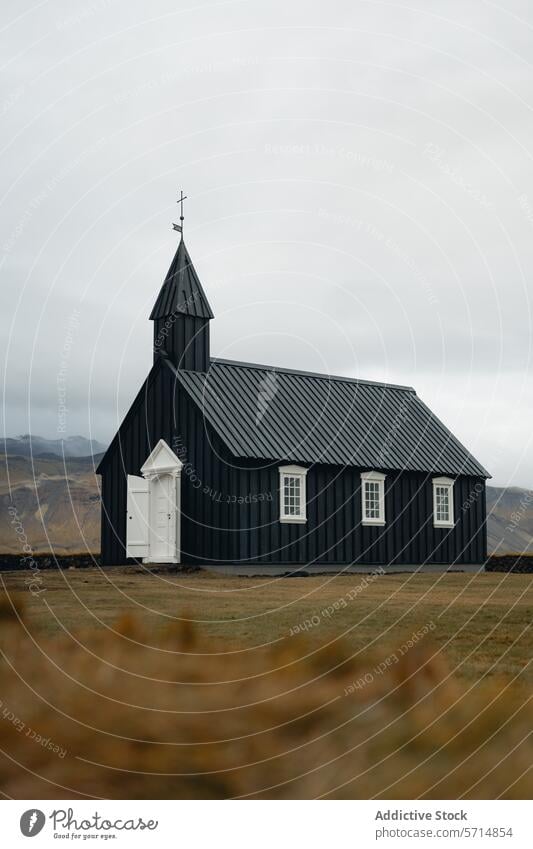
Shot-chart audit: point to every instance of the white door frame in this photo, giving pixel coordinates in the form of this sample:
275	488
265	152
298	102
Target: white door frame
163	462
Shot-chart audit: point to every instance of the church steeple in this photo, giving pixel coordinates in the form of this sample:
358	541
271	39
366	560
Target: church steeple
181	315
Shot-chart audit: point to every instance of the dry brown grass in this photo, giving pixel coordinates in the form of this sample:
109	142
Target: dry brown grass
481	619
160	708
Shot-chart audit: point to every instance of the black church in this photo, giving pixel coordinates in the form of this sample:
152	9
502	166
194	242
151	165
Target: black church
224	462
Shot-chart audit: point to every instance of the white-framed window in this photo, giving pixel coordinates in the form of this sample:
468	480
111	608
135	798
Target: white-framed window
443	503
292	494
373	498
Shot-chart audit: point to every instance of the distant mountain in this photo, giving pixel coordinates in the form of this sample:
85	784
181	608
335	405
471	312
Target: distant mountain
72	446
50	502
57	501
510	520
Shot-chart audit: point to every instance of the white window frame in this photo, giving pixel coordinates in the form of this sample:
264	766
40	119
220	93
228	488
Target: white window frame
379	478
299	472
448	484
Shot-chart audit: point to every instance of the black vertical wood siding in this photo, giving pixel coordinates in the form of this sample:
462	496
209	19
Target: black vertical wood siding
185	339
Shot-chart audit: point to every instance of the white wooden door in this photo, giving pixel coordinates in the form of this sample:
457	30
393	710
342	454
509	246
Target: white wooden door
138	517
163	518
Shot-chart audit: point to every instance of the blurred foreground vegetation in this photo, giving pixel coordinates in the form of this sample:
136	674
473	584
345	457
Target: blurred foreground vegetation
413	687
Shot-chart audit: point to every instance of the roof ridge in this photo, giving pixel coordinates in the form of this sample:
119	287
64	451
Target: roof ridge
319	375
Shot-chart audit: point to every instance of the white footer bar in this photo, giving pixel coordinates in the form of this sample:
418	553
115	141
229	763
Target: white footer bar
265	824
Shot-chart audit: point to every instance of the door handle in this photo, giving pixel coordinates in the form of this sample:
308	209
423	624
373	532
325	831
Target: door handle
168	514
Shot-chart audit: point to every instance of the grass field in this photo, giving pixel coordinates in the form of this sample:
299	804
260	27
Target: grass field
481	621
284	688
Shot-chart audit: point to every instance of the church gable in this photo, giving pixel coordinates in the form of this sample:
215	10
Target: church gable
143	418
161	460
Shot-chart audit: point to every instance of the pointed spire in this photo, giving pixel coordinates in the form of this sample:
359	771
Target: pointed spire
181	293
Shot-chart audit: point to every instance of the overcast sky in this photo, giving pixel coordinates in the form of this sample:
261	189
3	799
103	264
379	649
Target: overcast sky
360	182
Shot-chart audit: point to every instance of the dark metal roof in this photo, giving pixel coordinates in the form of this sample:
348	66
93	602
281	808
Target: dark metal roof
182	291
269	413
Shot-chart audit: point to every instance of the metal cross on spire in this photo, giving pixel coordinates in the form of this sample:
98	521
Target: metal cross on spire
179	227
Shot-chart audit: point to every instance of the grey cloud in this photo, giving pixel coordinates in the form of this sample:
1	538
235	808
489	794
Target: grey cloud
360	187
